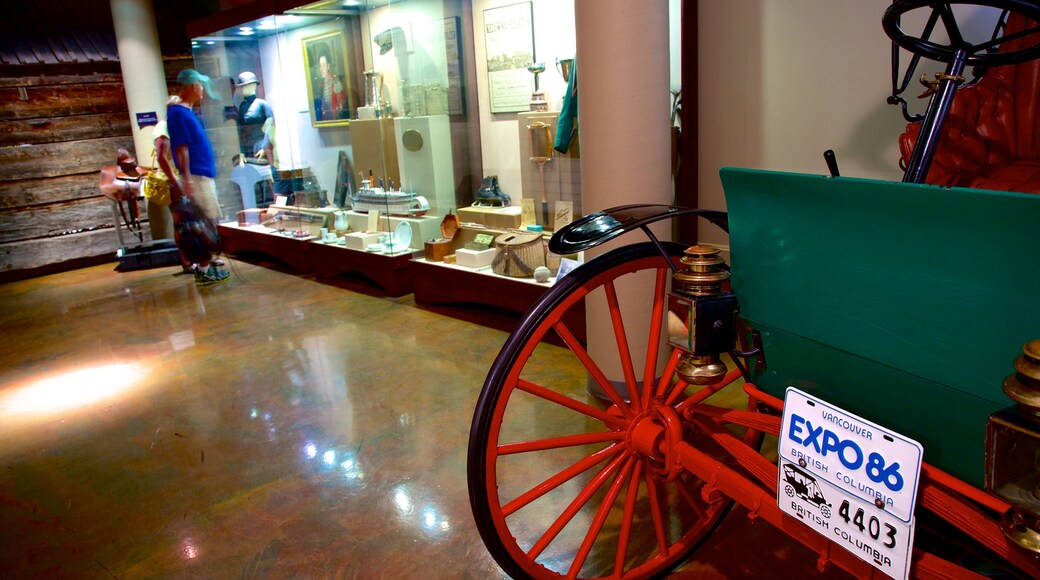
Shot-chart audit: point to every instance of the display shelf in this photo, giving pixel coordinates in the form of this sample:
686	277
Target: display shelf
440	284
390	273
290	251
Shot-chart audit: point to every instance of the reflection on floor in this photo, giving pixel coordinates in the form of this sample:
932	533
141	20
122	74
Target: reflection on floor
270	427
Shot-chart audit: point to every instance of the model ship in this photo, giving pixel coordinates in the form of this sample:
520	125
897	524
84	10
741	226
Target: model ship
370	197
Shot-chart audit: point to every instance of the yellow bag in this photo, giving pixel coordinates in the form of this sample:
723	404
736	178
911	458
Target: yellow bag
155	186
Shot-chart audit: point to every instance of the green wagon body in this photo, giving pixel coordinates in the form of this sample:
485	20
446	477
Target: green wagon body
902	303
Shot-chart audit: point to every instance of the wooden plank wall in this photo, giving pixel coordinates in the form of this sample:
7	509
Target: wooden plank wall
56	132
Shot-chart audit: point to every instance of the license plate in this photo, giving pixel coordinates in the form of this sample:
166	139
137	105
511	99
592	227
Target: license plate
850	479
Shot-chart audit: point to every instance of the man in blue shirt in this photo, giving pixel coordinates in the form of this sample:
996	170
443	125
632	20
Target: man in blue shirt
193	156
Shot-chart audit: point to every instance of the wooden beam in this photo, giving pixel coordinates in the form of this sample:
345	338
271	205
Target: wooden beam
47	190
41	221
37	254
63	129
57	159
30	102
60	79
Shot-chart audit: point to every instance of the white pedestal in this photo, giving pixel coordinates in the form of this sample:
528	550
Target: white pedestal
424	157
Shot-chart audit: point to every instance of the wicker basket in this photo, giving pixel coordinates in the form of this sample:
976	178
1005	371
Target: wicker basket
517	254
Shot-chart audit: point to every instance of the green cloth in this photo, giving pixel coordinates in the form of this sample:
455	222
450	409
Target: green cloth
565	128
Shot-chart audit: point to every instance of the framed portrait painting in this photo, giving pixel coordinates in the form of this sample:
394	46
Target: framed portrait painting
328	85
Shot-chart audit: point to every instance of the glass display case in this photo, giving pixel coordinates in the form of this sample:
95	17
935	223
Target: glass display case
404	129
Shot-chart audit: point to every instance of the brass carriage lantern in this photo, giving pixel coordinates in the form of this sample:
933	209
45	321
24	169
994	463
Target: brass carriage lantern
1013	451
702	315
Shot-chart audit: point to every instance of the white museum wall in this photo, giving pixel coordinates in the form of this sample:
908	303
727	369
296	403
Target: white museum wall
553	39
422	62
781	82
299	143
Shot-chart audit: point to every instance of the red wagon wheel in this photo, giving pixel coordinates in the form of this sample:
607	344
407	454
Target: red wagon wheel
557	485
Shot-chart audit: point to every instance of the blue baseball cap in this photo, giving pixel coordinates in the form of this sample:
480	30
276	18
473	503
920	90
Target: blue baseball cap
190	76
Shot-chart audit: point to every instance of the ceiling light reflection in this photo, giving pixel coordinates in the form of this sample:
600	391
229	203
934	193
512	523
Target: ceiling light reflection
72	390
352	469
402	501
345	460
189	549
433	521
184	339
429	518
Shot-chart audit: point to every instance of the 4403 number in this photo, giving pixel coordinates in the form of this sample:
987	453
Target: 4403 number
871	526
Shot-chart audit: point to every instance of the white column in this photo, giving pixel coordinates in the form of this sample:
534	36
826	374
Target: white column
623	115
140	60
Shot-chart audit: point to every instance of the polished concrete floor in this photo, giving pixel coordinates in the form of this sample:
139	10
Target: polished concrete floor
270	427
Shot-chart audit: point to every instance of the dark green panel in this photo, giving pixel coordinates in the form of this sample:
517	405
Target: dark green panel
932	290
949	424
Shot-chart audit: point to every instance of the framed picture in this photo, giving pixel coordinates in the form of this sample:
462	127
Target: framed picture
509	38
328	85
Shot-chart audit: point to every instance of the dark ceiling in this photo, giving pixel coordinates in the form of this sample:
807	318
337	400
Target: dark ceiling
49	32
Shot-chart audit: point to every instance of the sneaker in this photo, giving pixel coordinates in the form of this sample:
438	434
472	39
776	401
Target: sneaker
212	275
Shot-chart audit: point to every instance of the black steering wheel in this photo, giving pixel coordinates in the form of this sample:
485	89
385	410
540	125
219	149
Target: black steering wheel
974	54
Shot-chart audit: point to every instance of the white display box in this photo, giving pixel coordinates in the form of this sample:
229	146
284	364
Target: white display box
427	170
492	217
474	258
360	240
423	227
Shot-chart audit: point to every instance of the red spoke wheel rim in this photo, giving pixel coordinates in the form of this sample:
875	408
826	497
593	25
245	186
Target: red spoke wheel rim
558	486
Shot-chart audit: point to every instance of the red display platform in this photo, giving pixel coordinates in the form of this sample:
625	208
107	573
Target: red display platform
437	284
389	273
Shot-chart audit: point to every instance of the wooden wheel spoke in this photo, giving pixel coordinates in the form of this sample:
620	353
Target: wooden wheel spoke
707	391
572	404
576	504
654	338
560	478
622	344
656	513
559	442
628	516
601	516
677	389
594	370
666	377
